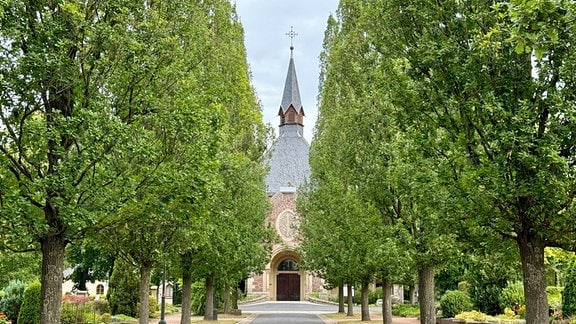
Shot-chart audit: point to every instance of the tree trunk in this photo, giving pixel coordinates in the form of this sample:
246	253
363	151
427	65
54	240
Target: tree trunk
341	299
364	307
52	247
186	288
426	295
209	306
532	257
386	301
413	298
350	301
226	300
235	296
144	308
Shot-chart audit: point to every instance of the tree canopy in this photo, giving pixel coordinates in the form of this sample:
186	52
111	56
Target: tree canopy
120	116
458	113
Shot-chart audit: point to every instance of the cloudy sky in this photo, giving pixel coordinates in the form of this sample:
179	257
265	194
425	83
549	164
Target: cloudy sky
266	23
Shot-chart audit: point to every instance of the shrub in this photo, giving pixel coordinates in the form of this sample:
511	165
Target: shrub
74	309
554	295
373	296
106	318
464	286
406	310
512	295
153	307
569	294
100	306
454	302
487	277
12	299
472	316
198	298
123	289
31	304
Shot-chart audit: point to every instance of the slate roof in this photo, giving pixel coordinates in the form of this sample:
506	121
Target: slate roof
291	95
288	161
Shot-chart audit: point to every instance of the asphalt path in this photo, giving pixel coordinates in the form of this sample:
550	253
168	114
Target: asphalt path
288	312
287	318
289	307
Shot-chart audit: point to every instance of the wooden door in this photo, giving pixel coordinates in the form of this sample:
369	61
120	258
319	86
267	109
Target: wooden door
288	287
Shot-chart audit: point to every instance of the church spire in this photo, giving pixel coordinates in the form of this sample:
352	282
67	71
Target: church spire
291	110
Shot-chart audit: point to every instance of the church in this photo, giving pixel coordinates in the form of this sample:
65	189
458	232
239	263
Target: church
282	279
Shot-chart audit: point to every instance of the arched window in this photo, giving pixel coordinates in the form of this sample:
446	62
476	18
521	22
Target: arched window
288	265
100	289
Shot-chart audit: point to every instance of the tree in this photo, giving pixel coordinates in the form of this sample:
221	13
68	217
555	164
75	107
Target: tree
89	262
96	97
489	87
380	156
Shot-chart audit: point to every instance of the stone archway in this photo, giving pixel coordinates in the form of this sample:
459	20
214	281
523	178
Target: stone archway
286	279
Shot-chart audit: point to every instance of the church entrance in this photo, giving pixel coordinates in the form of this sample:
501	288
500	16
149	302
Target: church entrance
288	280
288	287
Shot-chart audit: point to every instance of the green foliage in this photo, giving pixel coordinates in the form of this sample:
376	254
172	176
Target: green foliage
554	296
472	316
569	293
154	307
24	266
90	263
130	118
12	299
122	317
449	277
30	309
74	309
557	263
406	310
464	286
100	306
106	318
374	295
454	302
488	275
512	294
123	289
198	298
485	91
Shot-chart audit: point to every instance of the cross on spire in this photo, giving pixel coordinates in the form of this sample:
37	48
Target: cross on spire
291	34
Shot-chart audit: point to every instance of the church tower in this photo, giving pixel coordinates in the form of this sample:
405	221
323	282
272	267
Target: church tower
288	163
289	168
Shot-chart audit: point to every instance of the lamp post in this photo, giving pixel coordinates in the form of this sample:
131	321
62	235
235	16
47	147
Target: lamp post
163	302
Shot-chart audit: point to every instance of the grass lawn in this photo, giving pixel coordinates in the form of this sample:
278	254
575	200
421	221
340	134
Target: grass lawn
222	319
341	317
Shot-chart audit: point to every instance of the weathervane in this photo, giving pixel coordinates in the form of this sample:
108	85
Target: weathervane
291	34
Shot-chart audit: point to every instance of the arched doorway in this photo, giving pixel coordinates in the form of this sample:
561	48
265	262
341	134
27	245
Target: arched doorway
288	281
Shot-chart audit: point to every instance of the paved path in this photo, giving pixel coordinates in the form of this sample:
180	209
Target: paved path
302	307
290	313
287	318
